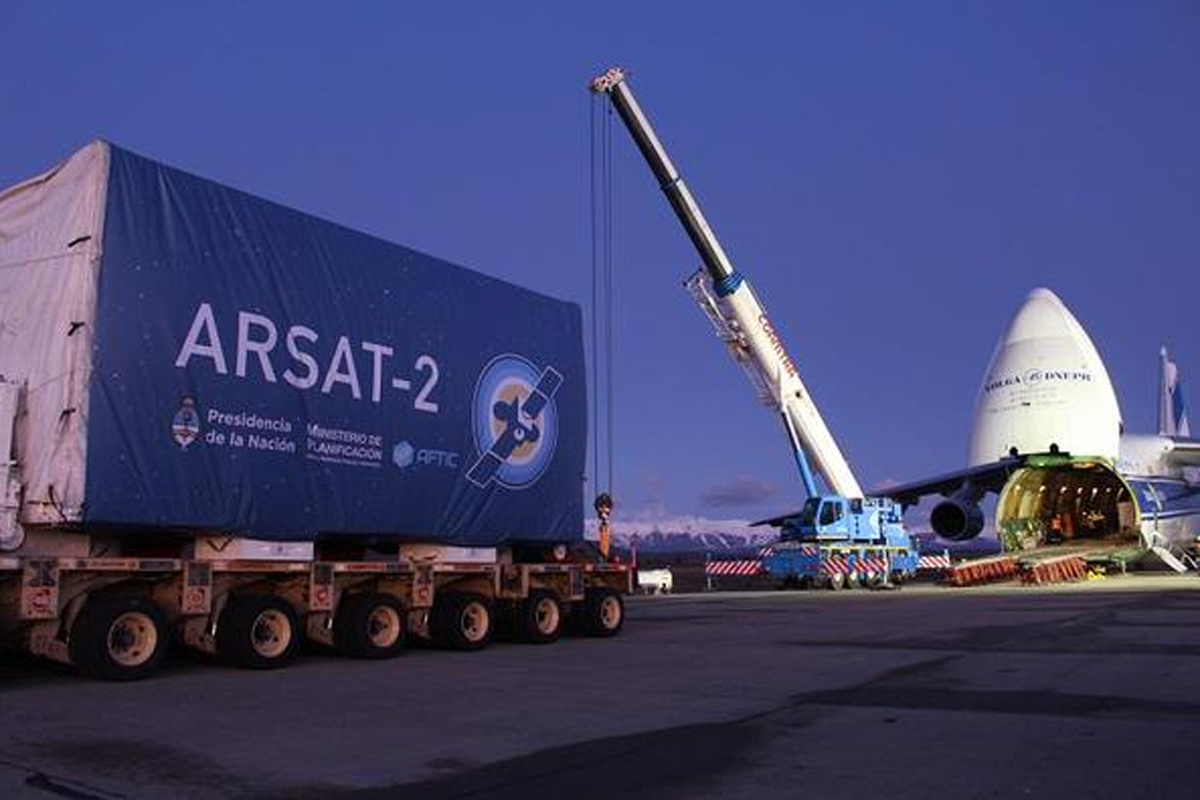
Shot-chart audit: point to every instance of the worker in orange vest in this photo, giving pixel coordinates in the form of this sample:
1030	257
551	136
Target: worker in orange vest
604	507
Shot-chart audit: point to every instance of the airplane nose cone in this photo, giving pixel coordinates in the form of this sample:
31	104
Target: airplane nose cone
1046	388
1042	316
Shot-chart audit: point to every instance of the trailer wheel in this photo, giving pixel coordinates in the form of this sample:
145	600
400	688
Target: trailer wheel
258	631
119	637
540	617
461	621
370	625
603	612
837	580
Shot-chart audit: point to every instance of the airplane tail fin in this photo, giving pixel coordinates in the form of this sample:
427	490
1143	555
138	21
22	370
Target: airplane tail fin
1172	411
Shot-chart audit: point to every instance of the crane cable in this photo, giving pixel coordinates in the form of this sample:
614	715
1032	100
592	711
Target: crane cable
608	290
601	211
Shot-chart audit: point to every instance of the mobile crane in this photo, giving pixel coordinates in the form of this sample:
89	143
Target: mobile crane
840	537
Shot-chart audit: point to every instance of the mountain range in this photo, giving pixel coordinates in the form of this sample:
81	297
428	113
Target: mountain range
726	537
687	534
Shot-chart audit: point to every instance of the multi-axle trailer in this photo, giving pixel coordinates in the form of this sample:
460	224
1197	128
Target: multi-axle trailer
114	617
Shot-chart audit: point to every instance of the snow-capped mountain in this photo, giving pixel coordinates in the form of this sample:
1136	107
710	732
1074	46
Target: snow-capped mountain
684	534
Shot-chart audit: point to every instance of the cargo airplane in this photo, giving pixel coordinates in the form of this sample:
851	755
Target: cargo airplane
1048	438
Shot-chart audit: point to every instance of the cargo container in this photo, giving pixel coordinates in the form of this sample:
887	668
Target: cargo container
235	421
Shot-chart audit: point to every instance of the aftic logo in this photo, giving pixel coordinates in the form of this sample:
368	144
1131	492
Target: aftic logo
403	454
185	425
515	422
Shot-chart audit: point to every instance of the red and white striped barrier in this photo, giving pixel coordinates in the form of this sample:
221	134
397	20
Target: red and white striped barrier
838	564
832	564
935	562
874	564
743	567
835	565
740	567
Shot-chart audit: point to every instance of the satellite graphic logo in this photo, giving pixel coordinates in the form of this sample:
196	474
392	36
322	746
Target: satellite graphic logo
515	422
185	425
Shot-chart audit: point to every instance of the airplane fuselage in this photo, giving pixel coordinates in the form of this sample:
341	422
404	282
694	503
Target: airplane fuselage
1048	438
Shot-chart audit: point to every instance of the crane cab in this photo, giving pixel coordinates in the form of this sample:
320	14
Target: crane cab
833	518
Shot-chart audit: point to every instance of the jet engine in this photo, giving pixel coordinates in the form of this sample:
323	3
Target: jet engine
957	520
959	516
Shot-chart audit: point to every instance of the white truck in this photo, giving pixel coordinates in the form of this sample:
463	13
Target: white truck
656	581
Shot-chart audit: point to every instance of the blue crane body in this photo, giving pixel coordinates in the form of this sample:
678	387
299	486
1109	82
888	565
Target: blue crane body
839	541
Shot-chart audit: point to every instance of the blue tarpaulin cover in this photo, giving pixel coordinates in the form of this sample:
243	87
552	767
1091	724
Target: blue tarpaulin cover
258	371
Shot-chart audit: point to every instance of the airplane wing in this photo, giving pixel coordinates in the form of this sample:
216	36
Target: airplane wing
984	477
987	477
775	522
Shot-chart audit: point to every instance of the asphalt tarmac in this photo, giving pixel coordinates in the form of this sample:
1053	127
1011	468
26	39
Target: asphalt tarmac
1087	690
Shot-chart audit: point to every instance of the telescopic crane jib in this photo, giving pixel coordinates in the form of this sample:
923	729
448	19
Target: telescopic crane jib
732	305
864	533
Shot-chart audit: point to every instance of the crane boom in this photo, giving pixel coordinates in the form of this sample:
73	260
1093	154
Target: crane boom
731	304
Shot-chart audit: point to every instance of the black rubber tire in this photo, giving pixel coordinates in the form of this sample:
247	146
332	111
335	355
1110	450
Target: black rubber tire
249	632
119	637
540	617
836	581
603	612
462	621
363	626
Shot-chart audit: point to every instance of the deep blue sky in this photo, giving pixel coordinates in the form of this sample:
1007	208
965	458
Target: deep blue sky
894	177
